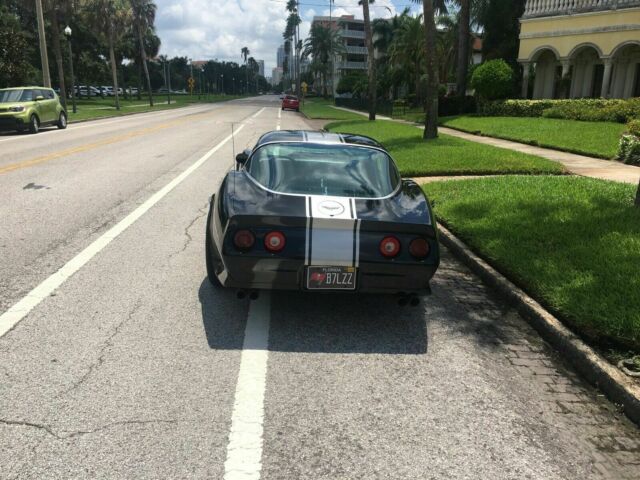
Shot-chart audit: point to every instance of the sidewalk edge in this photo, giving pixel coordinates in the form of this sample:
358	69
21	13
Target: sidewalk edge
595	369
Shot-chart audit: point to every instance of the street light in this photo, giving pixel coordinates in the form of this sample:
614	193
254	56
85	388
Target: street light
67	33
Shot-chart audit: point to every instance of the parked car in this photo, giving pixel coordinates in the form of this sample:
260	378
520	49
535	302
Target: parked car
314	211
29	108
87	91
291	102
106	91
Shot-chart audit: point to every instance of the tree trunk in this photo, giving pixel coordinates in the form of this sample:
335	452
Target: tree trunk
114	72
140	80
143	56
371	60
44	58
57	51
431	120
637	202
464	35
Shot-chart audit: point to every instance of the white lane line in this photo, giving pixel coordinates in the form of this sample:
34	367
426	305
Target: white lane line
21	309
244	450
279	121
279	113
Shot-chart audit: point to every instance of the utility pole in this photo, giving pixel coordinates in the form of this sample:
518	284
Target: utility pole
46	79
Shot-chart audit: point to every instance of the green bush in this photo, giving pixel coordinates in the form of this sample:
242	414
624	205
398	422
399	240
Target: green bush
634	127
514	108
586	109
493	80
629	149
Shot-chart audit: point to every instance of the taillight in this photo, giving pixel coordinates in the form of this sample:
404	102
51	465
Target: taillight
244	239
419	248
390	247
274	241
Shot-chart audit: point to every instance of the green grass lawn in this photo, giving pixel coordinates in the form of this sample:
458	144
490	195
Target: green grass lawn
571	242
445	155
321	109
105	107
597	139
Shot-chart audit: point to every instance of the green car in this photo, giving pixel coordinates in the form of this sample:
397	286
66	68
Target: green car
29	108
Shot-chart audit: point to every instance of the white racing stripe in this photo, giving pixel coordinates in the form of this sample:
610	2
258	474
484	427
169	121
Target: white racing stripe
21	309
244	450
333	231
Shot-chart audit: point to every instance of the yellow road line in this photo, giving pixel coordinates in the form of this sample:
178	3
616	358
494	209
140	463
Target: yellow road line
90	146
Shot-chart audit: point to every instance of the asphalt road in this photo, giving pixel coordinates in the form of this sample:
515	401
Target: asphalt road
123	362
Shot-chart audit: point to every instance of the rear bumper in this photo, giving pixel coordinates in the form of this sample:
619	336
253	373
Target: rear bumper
286	274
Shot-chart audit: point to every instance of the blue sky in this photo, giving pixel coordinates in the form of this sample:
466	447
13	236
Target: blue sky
204	29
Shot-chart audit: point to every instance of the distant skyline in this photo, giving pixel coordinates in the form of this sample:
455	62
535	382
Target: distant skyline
208	29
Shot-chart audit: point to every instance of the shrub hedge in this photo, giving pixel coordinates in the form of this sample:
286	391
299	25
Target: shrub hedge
493	80
586	109
634	127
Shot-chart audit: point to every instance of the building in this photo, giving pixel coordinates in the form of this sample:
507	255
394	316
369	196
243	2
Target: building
276	76
581	48
355	56
280	56
261	67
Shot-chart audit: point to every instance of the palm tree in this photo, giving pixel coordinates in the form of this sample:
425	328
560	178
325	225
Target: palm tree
407	52
292	32
371	64
322	44
110	19
244	53
54	10
429	8
144	15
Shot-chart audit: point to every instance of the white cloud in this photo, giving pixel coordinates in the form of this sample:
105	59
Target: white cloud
207	29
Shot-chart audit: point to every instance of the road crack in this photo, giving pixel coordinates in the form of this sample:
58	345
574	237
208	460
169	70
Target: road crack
78	433
103	350
202	211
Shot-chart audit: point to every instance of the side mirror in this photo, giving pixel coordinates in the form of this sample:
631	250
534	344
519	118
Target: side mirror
38	98
242	158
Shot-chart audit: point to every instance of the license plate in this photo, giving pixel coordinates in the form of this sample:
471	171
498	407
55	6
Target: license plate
331	278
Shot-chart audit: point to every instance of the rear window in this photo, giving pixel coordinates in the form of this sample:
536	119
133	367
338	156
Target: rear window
330	169
289	97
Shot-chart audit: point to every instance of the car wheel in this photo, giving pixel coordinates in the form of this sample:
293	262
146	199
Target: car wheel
62	121
34	124
210	255
297	109
283	109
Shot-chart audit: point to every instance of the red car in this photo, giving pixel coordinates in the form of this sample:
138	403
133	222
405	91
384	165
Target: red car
291	102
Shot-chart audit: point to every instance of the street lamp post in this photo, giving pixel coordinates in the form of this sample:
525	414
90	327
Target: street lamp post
67	33
222	83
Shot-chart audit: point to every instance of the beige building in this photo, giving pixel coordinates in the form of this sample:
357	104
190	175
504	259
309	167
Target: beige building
581	48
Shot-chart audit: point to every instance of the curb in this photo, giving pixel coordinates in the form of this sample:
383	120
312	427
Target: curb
595	369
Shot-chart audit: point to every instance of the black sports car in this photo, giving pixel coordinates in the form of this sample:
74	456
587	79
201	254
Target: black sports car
308	210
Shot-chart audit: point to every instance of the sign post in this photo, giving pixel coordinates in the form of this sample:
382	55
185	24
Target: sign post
191	83
304	86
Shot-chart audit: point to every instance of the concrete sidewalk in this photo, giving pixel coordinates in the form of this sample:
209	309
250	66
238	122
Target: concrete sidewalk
576	164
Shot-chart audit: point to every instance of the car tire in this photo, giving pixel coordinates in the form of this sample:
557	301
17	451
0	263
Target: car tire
210	255
62	121
283	109
34	124
297	109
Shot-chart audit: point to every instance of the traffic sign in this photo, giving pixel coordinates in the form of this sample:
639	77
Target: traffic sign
304	87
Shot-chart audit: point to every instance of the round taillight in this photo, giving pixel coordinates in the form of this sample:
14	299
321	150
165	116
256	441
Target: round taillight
244	239
390	247
274	241
419	248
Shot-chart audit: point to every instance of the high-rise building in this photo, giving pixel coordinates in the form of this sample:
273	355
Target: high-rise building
280	56
261	67
355	55
276	75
